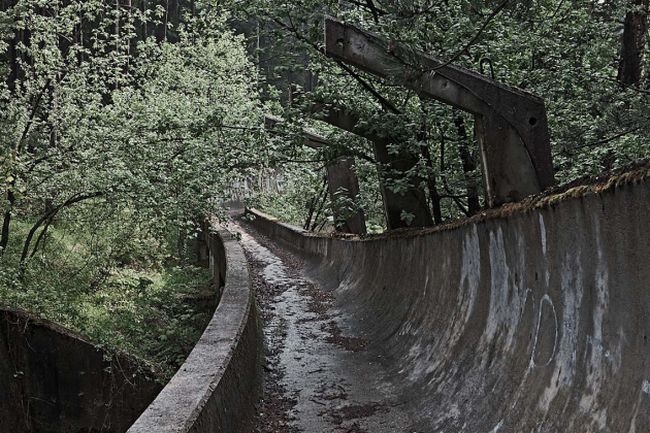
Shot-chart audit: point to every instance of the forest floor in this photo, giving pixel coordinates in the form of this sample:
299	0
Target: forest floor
319	376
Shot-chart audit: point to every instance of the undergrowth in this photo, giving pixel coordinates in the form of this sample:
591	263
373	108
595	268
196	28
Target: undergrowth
121	296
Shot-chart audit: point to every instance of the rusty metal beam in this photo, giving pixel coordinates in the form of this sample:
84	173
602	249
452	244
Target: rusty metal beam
511	125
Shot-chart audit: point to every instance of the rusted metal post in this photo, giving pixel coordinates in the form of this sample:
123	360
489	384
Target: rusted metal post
511	124
342	180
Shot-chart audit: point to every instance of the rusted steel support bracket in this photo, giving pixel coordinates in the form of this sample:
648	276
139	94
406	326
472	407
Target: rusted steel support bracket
511	124
342	182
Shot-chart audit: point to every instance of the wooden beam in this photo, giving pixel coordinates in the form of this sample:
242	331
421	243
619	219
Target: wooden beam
512	126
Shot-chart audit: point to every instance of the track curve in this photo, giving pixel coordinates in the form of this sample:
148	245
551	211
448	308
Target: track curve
532	322
320	377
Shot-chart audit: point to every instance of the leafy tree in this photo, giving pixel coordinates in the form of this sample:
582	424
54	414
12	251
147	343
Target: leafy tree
94	111
578	55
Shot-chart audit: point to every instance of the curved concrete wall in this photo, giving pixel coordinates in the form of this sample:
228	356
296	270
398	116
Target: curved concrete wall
217	387
529	320
55	381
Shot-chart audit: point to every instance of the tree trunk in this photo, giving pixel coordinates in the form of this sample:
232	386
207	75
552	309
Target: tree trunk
469	166
145	30
180	244
634	37
45	221
14	64
4	237
117	26
166	20
313	202
319	210
434	195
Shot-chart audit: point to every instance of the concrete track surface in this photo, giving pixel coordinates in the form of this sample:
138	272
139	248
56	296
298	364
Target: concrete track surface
533	322
320	377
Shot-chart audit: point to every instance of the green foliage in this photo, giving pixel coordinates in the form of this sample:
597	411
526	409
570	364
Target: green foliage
121	127
301	191
566	52
144	305
120	119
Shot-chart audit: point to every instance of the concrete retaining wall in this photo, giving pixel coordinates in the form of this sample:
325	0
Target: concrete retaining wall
535	321
217	387
54	381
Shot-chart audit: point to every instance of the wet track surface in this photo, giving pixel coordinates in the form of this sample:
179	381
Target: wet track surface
319	375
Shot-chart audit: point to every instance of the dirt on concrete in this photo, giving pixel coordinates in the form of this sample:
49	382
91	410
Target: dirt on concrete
319	376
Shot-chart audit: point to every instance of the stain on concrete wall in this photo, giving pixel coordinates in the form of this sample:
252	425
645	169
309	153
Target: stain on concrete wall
537	321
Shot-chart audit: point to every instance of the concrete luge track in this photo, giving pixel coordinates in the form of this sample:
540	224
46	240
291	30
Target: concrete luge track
535	321
318	368
217	387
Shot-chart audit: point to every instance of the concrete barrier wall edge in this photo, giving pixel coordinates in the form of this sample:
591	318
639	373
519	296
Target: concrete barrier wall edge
218	386
532	320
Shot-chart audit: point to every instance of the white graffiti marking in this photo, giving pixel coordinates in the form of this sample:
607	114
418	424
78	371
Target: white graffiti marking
546	299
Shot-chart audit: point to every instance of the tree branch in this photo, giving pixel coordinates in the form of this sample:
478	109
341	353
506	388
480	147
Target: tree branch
478	34
47	219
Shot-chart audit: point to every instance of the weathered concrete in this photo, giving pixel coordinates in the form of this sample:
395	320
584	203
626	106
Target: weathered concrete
342	181
392	168
343	187
217	387
538	321
511	125
55	381
320	376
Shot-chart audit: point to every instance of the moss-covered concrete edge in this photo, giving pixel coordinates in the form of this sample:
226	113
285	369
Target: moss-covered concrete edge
577	189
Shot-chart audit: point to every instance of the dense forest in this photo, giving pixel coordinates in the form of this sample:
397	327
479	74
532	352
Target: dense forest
126	122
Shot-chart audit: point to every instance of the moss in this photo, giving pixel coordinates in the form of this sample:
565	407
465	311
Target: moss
580	188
